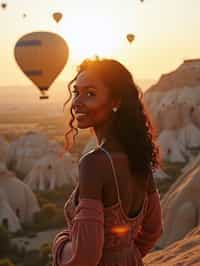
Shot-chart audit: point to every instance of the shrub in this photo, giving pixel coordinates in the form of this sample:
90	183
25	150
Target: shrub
49	210
57	196
6	262
4	240
45	254
49	217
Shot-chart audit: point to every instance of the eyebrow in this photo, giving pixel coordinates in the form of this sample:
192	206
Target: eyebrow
83	87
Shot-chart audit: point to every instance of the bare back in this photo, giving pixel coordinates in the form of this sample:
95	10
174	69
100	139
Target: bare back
131	192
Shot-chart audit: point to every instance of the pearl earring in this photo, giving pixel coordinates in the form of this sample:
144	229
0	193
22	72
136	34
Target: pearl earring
114	109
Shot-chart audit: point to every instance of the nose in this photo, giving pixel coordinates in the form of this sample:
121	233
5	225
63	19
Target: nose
77	103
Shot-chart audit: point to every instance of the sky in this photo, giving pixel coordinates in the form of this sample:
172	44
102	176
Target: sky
166	33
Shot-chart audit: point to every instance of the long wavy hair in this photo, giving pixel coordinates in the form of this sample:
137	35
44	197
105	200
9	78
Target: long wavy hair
131	124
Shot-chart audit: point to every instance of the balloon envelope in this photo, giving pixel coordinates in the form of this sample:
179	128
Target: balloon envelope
3	5
130	37
57	16
41	56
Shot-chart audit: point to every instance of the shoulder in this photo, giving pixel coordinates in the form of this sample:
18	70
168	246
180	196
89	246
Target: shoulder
91	156
92	169
94	160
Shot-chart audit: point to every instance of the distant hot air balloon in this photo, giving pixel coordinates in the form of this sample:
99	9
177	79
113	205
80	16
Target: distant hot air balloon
57	16
3	5
130	37
41	56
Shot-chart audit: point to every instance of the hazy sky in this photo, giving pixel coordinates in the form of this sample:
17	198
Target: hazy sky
167	32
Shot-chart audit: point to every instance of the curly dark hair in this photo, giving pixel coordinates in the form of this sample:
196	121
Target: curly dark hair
131	125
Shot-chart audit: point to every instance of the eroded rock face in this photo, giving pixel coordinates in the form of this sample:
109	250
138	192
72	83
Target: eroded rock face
181	205
171	148
52	171
26	150
186	75
4	150
7	216
183	252
174	105
195	116
19	196
3	168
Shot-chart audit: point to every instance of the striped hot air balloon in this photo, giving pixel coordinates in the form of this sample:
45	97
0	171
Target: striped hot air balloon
130	37
41	56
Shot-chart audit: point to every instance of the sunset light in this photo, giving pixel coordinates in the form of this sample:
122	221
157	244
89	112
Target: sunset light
99	132
97	37
101	28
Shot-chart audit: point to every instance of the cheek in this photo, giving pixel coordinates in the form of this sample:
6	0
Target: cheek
99	104
100	113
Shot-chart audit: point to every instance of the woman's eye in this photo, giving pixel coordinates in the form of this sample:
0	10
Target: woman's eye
90	94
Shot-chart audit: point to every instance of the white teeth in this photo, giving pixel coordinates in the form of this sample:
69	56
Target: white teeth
79	115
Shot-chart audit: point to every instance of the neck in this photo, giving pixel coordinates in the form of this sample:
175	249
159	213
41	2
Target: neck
103	133
110	143
104	137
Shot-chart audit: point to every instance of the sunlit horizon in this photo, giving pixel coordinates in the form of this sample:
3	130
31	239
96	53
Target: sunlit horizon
166	33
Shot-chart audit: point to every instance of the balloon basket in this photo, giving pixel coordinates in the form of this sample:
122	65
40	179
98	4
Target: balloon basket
42	97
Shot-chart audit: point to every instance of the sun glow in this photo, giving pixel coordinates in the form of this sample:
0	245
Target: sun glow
96	37
162	38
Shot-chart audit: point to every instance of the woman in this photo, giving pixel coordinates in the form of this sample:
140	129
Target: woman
113	215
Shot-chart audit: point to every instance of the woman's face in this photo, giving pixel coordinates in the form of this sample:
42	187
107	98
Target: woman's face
91	103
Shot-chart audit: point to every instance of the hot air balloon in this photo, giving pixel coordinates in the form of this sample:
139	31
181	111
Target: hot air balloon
57	16
3	5
130	37
41	56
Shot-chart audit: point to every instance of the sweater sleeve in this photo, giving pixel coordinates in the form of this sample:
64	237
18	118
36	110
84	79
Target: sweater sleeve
84	244
152	226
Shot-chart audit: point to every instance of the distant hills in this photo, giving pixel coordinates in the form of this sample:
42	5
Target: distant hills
19	98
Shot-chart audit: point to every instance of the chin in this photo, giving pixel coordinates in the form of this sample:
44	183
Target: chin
83	126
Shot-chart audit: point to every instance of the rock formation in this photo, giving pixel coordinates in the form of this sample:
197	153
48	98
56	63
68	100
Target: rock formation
19	196
181	205
52	171
26	150
4	150
185	252
174	104
7	216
